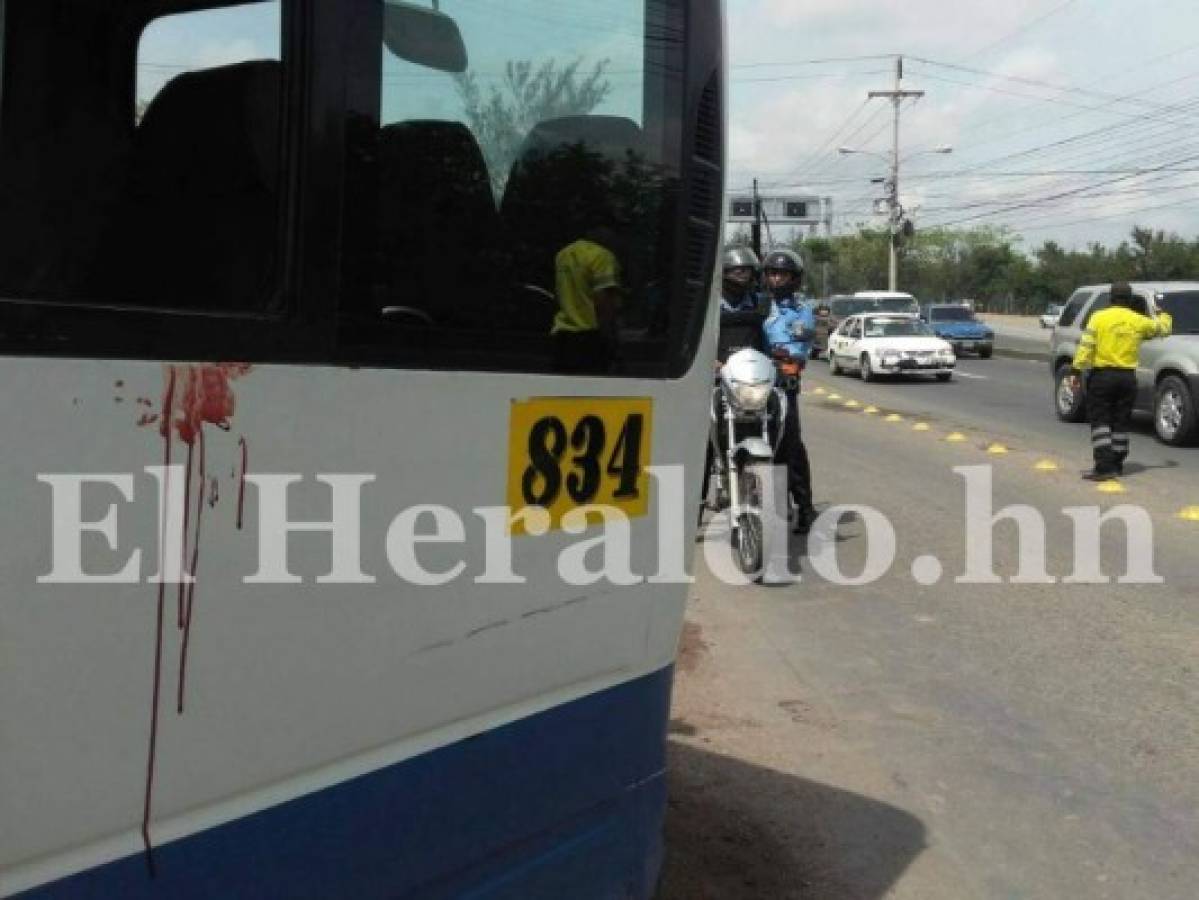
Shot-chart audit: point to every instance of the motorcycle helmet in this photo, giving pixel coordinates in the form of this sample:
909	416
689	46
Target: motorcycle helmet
740	265
787	261
738	257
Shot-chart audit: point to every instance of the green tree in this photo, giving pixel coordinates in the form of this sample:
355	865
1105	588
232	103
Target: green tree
502	115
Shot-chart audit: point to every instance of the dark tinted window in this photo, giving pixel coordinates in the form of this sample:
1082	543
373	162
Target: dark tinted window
145	178
1103	301
1073	305
842	308
1183	307
951	314
894	328
502	215
897	304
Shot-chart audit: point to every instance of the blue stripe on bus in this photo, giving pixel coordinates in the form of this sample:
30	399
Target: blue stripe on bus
565	803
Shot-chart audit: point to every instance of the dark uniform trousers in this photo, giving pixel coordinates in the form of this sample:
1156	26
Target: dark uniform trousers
794	455
1110	397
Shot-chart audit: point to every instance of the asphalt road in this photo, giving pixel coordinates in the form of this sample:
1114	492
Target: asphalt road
1019	336
1006	398
946	740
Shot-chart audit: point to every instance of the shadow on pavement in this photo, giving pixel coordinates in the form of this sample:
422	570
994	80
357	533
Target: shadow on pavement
736	831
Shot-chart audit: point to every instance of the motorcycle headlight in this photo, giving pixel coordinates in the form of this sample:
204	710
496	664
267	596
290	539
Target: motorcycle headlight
751	396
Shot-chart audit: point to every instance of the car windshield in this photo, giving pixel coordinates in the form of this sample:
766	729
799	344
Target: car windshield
893	328
1053	309
951	314
1183	307
851	306
897	304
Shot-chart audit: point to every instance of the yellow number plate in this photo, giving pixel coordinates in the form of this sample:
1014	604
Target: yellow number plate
567	452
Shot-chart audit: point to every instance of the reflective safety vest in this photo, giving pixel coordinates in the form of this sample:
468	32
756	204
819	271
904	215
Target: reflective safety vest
1113	336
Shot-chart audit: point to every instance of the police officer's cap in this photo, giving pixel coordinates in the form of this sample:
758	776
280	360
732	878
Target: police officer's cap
739	257
1121	293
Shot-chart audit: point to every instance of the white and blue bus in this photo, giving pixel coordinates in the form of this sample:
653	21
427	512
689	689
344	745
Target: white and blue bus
300	254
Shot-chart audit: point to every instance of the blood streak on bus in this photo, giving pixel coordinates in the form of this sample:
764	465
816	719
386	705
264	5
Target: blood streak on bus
187	493
241	481
194	396
168	400
191	587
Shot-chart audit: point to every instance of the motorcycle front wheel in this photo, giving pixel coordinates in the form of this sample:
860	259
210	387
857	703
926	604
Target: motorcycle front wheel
747	543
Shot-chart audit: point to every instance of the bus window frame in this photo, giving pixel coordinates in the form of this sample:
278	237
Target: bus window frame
324	89
680	346
293	327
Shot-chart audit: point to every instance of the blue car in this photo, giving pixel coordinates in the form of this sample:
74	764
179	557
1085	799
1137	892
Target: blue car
955	322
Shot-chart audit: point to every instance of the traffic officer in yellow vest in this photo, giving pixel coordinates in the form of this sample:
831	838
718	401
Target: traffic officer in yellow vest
1109	349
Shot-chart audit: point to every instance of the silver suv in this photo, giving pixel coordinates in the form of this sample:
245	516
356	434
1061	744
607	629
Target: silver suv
1167	372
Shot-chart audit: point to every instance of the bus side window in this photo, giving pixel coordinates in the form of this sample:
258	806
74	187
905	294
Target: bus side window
463	187
140	155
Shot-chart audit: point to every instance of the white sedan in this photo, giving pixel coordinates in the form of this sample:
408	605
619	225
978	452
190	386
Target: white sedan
1051	315
873	344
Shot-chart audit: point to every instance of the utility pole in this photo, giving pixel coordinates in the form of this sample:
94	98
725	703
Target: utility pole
896	96
755	239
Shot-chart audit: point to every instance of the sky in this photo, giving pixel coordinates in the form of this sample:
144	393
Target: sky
1071	120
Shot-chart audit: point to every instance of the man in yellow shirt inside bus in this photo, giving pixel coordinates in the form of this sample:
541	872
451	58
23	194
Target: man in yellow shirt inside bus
1109	348
587	284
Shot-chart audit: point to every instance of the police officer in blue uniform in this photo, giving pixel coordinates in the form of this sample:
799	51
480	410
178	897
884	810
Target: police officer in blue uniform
789	330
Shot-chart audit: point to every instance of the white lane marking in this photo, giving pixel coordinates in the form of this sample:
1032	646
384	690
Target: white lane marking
968	375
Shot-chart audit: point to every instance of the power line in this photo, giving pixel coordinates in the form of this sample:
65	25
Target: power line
1023	28
1118	215
814	62
941	176
814	76
1161	155
812	158
1122	192
1032	82
1105	130
1060	195
1039	99
1044	197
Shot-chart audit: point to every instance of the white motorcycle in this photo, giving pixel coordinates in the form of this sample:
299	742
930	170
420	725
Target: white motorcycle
748	414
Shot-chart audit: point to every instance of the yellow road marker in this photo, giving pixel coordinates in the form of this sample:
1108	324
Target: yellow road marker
819	391
894	417
870	410
921	426
1111	487
834	396
997	449
955	437
1189	514
852	404
1046	465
